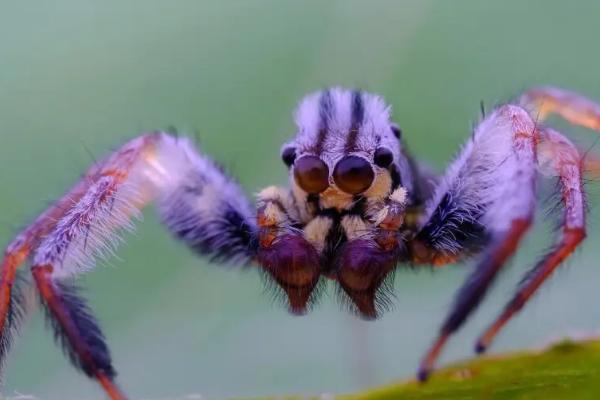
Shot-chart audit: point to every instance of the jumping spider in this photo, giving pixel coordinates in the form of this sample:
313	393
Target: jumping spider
358	206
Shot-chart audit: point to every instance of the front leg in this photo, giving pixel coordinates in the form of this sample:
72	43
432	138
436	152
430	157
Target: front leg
284	253
372	252
198	202
483	206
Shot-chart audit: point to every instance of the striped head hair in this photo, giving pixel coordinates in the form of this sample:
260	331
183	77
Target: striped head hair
345	146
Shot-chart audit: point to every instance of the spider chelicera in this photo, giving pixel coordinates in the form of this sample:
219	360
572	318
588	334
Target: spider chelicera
358	207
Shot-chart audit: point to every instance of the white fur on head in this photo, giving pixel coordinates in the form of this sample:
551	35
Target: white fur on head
325	120
375	130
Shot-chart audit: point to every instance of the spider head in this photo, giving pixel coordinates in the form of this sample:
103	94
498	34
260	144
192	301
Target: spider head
345	147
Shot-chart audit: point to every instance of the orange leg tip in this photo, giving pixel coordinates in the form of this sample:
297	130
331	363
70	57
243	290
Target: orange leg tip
485	340
488	336
111	388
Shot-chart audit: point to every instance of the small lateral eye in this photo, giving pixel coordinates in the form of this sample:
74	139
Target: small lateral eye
396	131
383	157
288	156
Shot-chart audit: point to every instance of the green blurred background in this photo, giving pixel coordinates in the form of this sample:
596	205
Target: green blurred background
77	78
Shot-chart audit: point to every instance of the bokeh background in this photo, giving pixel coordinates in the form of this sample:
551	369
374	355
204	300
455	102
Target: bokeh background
77	78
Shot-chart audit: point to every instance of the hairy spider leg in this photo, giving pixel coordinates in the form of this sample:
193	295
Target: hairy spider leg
474	289
561	156
198	203
77	329
20	249
591	165
510	135
571	106
68	248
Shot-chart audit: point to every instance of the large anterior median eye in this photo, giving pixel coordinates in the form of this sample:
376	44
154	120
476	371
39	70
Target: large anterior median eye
353	174
311	174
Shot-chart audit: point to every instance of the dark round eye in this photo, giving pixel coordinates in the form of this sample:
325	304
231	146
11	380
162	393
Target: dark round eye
288	156
311	174
396	131
353	174
383	157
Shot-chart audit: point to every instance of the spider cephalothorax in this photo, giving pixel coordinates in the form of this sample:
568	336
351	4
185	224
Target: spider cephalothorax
358	207
343	218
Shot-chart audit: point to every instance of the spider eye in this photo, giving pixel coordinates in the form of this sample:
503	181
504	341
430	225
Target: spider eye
383	157
311	174
288	156
353	174
396	131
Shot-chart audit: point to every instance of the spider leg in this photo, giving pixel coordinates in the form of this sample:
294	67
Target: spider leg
13	258
484	204
474	289
76	329
197	202
573	107
83	232
591	164
563	158
21	247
